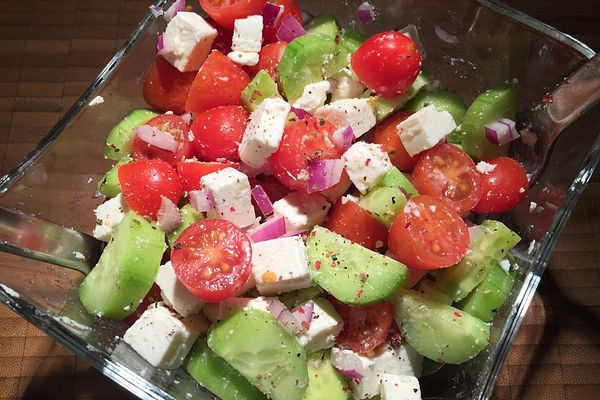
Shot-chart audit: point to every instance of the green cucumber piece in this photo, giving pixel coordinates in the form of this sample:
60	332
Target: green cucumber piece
385	107
426	287
352	40
350	272
324	24
395	178
118	142
324	381
256	345
498	102
109	185
189	215
297	297
309	59
438	331
490	243
126	269
442	100
384	203
261	87
430	367
490	295
212	372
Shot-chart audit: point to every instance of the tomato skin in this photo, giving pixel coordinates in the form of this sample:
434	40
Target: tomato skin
428	234
212	259
365	327
165	87
144	182
356	224
269	58
447	172
190	172
503	188
226	12
289	8
219	82
386	134
387	63
173	124
302	142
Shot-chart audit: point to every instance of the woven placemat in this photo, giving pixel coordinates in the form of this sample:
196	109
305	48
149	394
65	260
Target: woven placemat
51	50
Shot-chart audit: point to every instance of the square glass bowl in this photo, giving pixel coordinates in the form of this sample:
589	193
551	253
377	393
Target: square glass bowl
58	178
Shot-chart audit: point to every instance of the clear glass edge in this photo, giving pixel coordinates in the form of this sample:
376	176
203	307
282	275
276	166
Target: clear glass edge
146	390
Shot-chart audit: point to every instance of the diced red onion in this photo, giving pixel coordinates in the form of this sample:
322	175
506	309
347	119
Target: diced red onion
349	365
445	36
156	10
169	217
323	174
343	137
271	229
290	29
304	314
300	113
262	200
160	44
178	5
271	14
187	118
284	317
501	133
156	137
202	200
512	125
366	12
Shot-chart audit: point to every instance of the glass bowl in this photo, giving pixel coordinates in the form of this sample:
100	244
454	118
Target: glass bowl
57	180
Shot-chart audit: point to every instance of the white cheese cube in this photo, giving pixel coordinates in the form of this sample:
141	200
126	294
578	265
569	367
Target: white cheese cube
244	58
313	97
231	191
217	311
366	164
264	131
346	85
108	216
424	129
247	34
175	294
161	338
326	324
301	210
280	265
187	41
356	113
397	387
401	361
363	388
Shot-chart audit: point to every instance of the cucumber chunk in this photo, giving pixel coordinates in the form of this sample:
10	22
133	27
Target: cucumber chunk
498	102
212	372
442	100
490	242
350	272
490	295
118	142
261	87
426	287
385	107
324	381
395	178
384	203
126	270
109	185
297	297
254	343
430	367
324	24
438	331
309	59
352	40
189	215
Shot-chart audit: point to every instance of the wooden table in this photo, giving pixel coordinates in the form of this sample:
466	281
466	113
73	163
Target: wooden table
51	50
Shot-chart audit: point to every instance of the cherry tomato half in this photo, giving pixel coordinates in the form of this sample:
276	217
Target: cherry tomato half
503	187
225	12
269	58
357	225
176	126
218	132
386	134
165	87
190	172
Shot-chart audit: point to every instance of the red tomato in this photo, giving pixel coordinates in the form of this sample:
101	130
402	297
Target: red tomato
144	183
224	37
386	134
219	82
365	327
504	187
449	173
303	142
270	55
387	63
357	225
212	259
289	8
225	12
190	172
177	127
218	132
165	87
428	234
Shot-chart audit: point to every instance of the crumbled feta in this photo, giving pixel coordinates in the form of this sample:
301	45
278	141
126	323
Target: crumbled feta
484	167
366	387
324	327
522	190
356	113
244	58
301	210
96	100
505	265
174	293
247	34
346	85
532	206
313	97
424	129
366	164
108	216
399	387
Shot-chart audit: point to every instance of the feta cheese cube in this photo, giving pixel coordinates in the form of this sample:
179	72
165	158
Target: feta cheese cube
280	265
247	34
244	58
424	129
301	210
187	41
398	387
108	216
401	361
356	113
175	294
313	97
366	164
363	388
231	191
264	131
217	311
326	324
161	338
346	85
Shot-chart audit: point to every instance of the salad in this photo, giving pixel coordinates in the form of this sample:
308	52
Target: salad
291	218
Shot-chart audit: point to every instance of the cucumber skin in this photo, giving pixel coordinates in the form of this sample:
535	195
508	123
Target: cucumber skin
213	373
118	142
395	178
324	24
189	215
438	331
109	184
349	272
324	381
352	40
385	107
442	100
261	87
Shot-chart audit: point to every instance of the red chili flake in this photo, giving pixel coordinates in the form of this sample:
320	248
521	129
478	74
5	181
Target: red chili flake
359	293
457	314
367	162
329	254
546	99
232	209
333	264
301	310
363	276
280	278
313	234
318	265
305	325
